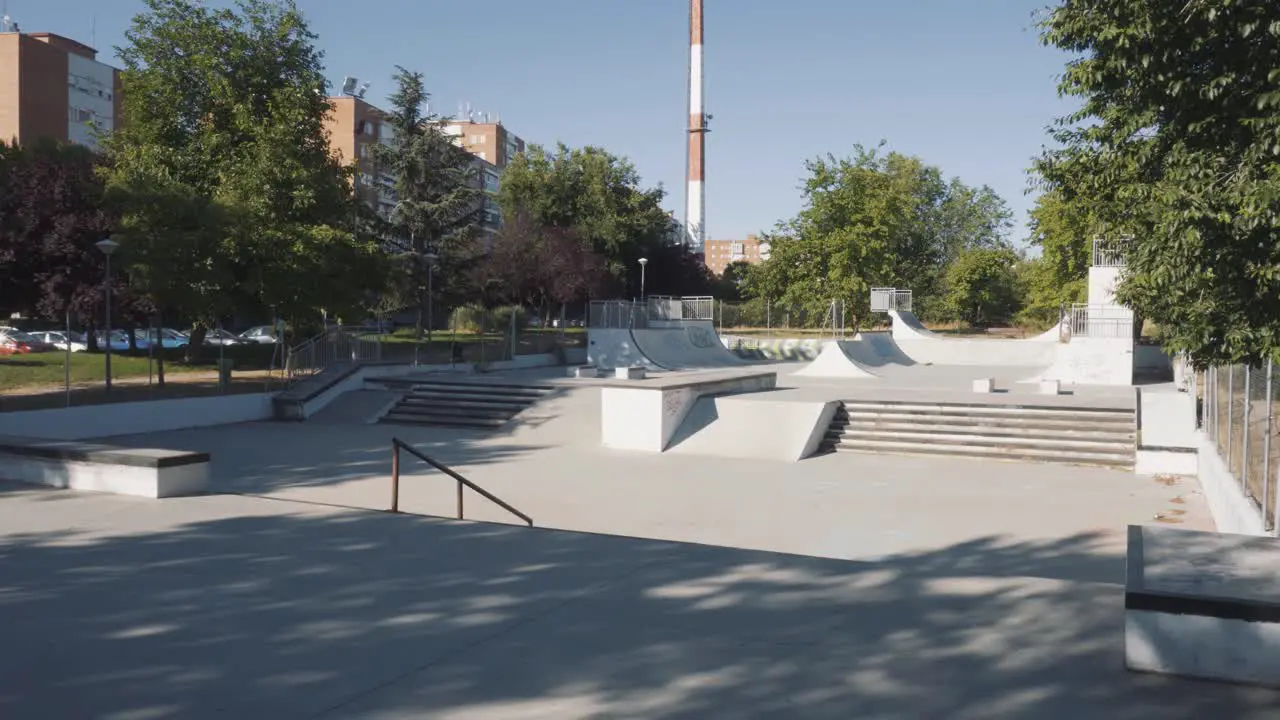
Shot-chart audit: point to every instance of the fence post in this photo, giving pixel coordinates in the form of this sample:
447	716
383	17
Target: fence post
459	499
1231	399
1268	488
1244	427
395	477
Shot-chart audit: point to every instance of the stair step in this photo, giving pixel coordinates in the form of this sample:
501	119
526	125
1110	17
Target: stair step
1046	434
478	403
1004	411
1115	460
479	389
454	411
994	420
402	419
1047	419
1048	445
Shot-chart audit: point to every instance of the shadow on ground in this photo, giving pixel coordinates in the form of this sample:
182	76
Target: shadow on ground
285	610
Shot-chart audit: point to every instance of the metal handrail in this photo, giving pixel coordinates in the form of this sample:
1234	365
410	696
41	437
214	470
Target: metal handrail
397	444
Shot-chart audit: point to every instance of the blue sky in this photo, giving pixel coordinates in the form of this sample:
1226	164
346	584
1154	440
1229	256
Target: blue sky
964	84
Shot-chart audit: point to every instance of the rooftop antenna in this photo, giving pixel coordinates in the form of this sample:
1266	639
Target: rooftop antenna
364	88
93	31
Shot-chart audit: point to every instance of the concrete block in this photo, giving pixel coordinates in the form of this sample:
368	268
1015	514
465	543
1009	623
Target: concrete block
585	371
645	416
1203	604
103	468
629	373
984	385
1050	387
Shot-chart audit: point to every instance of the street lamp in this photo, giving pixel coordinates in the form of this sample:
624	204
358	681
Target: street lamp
430	259
107	247
643	262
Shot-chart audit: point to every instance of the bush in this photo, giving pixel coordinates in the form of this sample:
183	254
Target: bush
475	318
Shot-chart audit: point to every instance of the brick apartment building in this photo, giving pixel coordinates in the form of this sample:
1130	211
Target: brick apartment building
355	126
720	254
54	87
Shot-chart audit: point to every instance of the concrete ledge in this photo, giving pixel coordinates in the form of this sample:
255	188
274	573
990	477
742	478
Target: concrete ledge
1050	387
629	373
645	414
1204	605
1166	461
984	385
142	472
585	371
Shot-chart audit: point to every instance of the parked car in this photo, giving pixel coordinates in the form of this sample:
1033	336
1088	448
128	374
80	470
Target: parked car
16	342
263	335
223	337
119	341
60	339
169	338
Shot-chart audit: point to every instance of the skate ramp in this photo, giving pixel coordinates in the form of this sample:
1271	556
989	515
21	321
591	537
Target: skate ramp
692	347
609	348
1090	361
877	349
979	351
906	326
835	361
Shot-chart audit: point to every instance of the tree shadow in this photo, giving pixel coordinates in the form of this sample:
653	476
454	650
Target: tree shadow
254	609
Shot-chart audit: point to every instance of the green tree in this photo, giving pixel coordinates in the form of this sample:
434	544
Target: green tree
439	201
1175	144
982	286
221	171
1063	231
875	219
597	195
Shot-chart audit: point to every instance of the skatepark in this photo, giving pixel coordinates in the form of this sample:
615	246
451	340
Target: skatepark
897	524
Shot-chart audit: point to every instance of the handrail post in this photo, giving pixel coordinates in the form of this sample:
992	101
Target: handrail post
395	477
459	499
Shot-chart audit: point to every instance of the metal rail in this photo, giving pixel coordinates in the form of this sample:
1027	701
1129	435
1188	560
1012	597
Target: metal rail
397	444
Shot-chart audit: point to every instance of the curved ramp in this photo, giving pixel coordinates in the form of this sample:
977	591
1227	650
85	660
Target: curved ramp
834	361
685	348
906	326
609	348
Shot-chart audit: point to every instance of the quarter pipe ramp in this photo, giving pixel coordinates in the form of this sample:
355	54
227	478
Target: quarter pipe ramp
684	347
835	361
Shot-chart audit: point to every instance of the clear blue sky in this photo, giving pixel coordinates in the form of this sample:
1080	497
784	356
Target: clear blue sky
964	84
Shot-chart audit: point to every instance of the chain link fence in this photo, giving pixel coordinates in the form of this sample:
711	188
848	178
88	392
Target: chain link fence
1238	414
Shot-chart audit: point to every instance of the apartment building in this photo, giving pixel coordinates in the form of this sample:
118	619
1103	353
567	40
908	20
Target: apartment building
54	87
355	127
720	254
489	141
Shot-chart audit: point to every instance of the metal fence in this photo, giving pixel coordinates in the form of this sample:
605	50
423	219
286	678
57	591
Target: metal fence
336	344
886	299
1238	404
1109	252
698	308
1099	321
617	314
629	314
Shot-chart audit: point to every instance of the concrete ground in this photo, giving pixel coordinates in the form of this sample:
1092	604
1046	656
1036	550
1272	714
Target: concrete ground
844	586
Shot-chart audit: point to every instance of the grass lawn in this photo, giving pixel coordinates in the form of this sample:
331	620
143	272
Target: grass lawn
40	369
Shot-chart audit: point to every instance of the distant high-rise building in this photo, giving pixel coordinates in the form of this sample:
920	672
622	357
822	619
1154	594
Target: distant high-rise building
489	141
720	254
54	87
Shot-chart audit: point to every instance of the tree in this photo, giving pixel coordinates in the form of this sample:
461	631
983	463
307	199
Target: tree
51	214
982	285
733	280
595	194
1064	232
537	265
1175	145
221	172
875	219
440	202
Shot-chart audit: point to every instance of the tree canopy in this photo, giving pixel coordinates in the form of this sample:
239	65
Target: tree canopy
1176	145
221	171
873	219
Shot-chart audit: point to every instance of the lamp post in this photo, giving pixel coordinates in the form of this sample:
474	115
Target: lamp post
107	247
643	262
430	258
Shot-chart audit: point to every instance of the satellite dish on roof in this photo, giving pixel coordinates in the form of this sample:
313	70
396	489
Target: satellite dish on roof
349	85
364	88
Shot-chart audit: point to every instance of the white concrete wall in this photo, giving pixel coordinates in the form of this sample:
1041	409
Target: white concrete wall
977	351
148	482
742	427
1102	285
94	421
1205	647
647	417
1152	357
1092	361
1232	510
1167	418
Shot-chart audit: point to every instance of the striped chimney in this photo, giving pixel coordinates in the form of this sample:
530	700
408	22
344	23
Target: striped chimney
695	192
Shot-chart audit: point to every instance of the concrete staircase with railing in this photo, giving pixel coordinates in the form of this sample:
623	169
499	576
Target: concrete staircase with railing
446	403
1072	435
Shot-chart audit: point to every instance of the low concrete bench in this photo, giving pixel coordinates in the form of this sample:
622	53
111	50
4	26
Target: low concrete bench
644	414
1203	604
79	465
584	371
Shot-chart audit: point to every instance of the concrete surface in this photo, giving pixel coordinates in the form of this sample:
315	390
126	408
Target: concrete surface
746	426
846	586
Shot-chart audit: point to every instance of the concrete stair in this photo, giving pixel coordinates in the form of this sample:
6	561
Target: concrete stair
1075	436
442	403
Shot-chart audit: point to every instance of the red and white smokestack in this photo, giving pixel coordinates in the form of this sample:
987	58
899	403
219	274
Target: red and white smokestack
695	192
